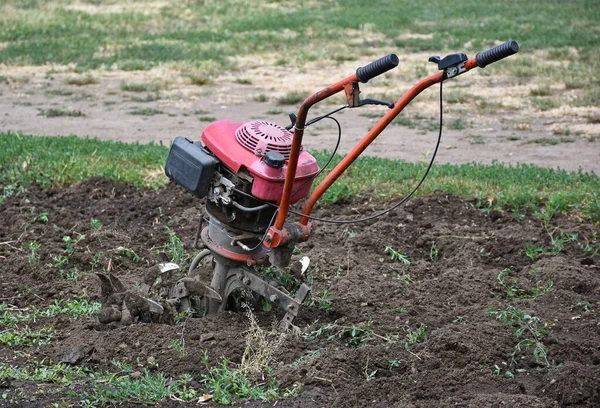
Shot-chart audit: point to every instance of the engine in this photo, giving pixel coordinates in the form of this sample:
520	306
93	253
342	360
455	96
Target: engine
239	168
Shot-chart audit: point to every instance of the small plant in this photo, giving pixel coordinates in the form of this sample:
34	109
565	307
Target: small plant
41	218
175	249
34	254
585	305
528	329
394	364
458	320
60	261
146	112
434	252
96	260
96	225
179	346
56	112
323	299
26	337
81	80
419	335
292	98
532	251
514	291
140	87
261	348
397	256
128	253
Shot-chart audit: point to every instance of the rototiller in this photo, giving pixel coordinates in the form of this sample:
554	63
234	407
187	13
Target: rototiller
249	174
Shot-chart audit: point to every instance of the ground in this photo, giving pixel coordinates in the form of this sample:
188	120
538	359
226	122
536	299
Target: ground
425	328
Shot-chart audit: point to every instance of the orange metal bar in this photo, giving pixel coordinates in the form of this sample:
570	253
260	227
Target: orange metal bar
370	136
286	198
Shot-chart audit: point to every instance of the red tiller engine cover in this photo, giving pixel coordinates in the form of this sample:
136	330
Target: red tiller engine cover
243	146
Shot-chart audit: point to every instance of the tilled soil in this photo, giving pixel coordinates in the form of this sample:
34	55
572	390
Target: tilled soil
456	251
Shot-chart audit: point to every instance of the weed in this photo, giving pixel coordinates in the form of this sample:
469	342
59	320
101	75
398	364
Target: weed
144	99
200	79
513	291
542	90
128	253
261	348
456	124
260	98
532	251
549	141
56	112
585	305
354	336
243	81
140	87
396	255
26	337
528	329
207	118
292	98
394	364
419	335
96	260
434	252
323	299
146	112
179	346
225	384
458	320
96	225
475	139
60	262
34	254
369	374
175	249
41	218
82	80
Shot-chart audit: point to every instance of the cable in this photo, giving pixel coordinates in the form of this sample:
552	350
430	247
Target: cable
379	214
399	203
337	145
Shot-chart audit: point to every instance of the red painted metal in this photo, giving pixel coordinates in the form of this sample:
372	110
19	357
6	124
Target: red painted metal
221	138
297	145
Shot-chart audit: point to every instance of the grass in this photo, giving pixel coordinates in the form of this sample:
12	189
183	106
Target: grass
57	112
44	161
82	80
146	112
292	98
523	188
140	87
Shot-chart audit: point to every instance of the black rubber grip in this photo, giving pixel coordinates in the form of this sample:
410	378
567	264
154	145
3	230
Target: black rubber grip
378	67
497	53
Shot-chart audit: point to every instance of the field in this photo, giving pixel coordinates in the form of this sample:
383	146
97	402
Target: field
483	290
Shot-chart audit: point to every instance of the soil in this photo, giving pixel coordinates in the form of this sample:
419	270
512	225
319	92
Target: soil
449	293
487	118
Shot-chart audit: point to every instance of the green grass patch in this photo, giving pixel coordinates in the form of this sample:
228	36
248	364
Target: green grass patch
82	80
57	161
73	308
292	98
146	112
57	112
140	87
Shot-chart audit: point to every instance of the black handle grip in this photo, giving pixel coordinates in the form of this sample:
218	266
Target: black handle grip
378	67
497	53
